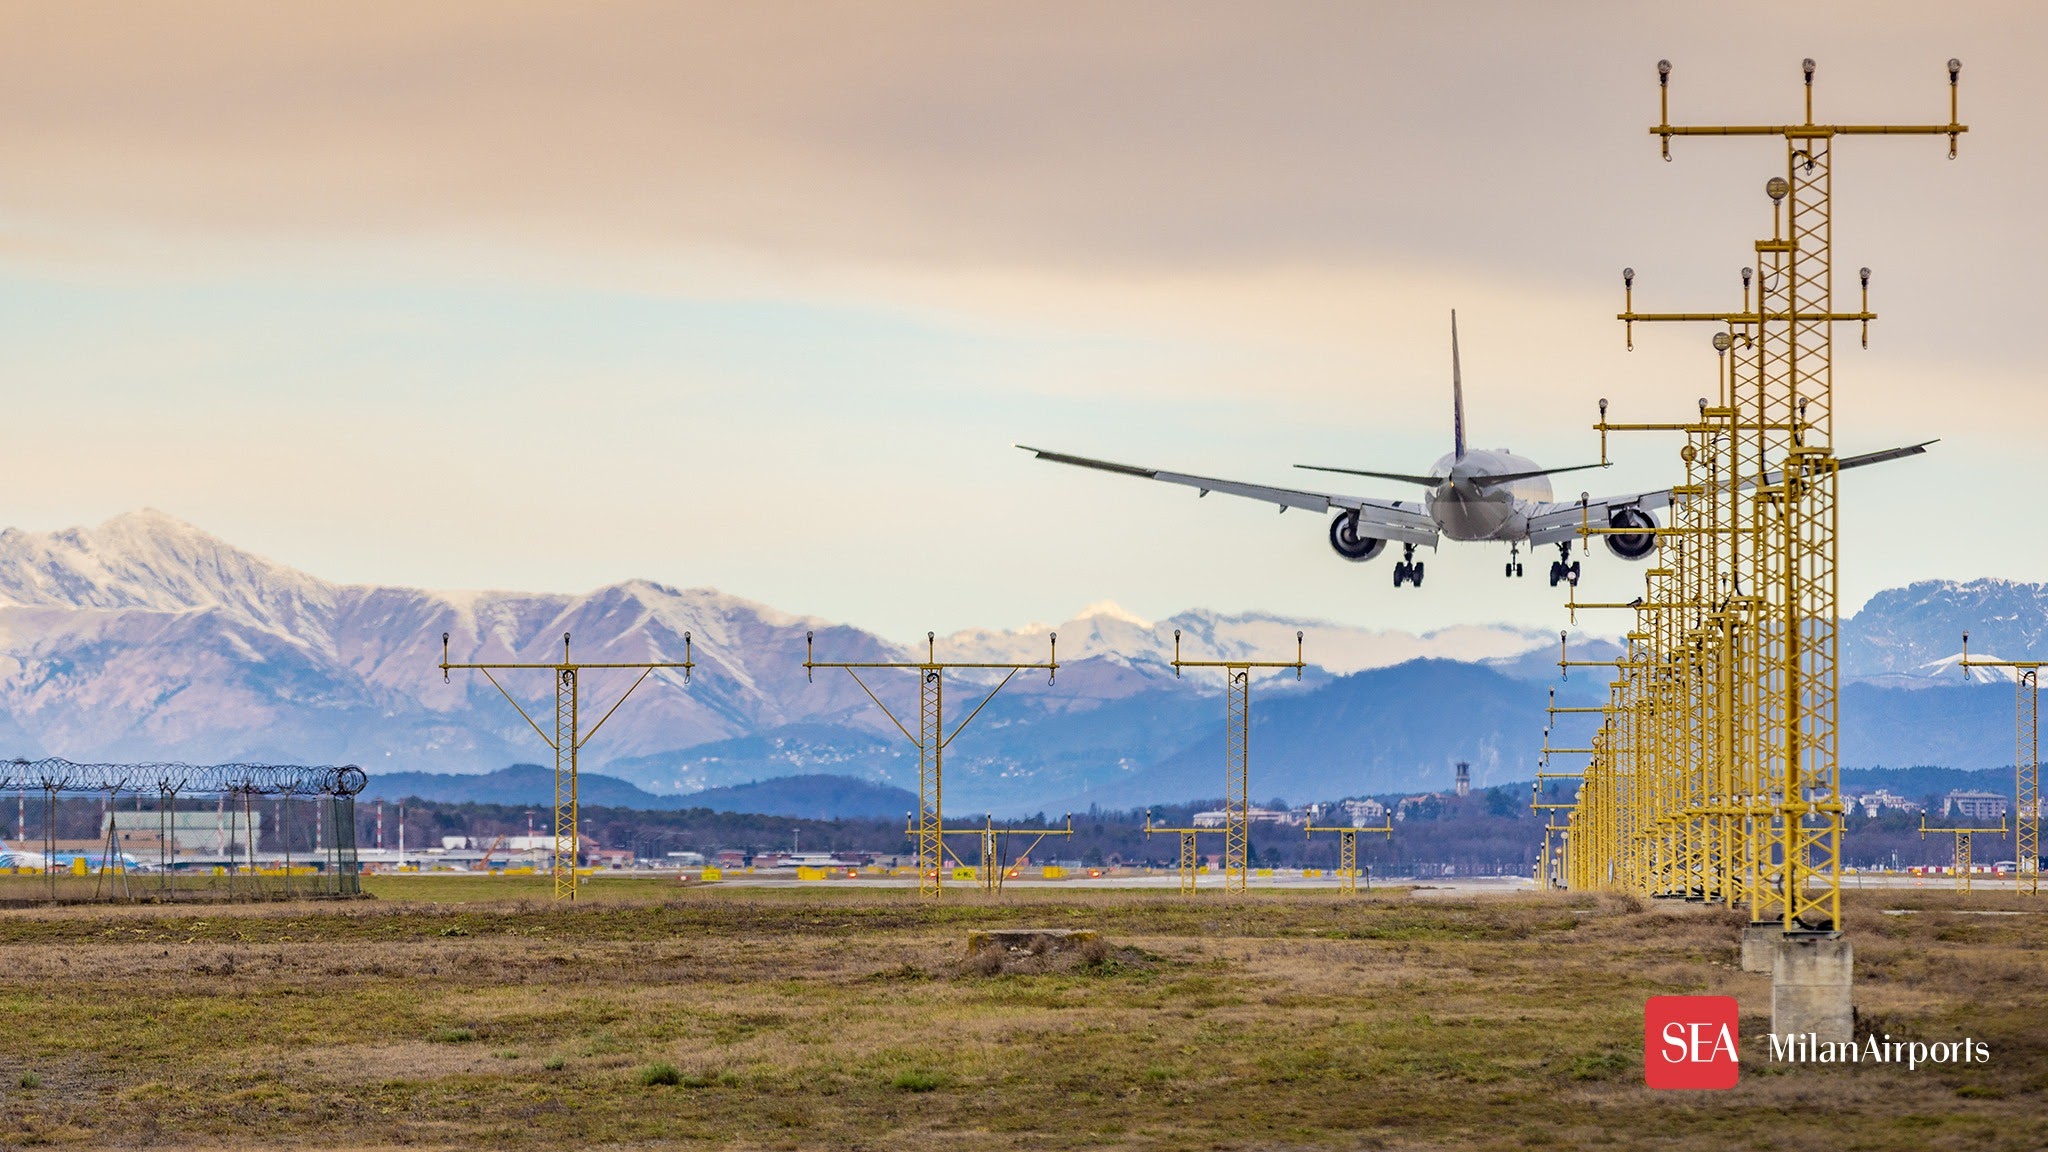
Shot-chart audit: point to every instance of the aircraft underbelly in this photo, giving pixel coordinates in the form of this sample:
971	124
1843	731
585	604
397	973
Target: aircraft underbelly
1464	518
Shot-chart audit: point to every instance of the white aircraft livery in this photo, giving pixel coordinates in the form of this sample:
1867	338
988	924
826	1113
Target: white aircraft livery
1470	494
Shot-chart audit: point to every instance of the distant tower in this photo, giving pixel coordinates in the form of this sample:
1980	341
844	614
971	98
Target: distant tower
1464	778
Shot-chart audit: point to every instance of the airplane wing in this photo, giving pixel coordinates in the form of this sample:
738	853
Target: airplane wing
1401	521
1558	522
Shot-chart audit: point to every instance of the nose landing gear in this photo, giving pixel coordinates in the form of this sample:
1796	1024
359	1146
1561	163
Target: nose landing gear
1514	565
1564	569
1409	570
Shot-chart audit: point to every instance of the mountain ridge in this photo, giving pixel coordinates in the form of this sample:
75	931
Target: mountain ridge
147	638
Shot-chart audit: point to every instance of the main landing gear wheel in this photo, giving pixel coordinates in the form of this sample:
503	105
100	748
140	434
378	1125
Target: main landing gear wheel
1564	569
1409	570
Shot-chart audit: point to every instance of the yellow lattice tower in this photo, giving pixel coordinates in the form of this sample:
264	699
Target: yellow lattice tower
569	739
1553	866
1647	728
1600	854
1190	857
989	870
1237	753
1961	867
1347	848
1790	568
2026	764
932	738
1685	735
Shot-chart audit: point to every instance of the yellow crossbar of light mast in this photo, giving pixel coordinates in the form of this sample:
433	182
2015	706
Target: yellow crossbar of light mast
1347	849
1237	753
566	741
932	738
1961	866
2026	764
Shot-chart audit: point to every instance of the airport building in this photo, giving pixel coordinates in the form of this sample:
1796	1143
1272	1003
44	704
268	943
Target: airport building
221	833
1975	805
1882	800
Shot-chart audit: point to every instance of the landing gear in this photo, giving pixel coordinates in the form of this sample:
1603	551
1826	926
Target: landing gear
1514	565
1564	569
1409	570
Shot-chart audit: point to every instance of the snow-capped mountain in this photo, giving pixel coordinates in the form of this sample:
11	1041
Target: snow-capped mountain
1105	629
1913	636
147	638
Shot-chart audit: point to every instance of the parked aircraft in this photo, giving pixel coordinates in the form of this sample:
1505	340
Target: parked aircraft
25	858
20	857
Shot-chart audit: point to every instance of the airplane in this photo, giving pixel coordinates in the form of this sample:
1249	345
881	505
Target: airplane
1472	494
21	858
28	860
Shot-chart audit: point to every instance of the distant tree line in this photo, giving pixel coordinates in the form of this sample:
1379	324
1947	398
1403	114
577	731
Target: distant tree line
1493	831
1489	832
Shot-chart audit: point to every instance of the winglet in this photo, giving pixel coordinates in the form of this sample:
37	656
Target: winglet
1457	395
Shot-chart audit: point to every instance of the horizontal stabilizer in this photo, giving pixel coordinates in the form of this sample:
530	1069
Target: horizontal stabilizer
1397	477
1511	477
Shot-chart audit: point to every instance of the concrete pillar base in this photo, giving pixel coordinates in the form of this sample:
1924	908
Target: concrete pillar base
1810	984
1760	947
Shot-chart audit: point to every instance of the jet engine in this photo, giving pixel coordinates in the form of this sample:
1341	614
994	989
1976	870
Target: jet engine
1637	535
1349	544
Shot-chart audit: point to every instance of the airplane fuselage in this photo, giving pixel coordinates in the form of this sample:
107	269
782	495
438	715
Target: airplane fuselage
1464	510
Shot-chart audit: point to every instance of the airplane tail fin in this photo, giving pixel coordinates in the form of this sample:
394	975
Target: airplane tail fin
1457	395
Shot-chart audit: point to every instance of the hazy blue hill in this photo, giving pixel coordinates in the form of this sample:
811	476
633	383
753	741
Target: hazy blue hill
1963	725
790	750
519	784
1922	782
1389	729
815	797
809	797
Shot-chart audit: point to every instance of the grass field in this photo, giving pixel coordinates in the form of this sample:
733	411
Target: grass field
459	1012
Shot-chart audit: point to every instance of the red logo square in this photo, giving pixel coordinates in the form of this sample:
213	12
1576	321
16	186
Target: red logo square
1690	1042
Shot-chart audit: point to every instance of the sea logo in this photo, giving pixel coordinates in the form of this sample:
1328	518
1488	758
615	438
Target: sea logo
1689	1042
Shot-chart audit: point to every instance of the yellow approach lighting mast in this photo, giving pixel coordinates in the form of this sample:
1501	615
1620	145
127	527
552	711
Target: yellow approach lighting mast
2026	765
1237	753
1190	856
568	740
1783	483
932	738
1347	848
994	863
1962	865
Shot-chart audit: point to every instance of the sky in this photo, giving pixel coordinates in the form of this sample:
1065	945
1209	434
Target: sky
759	297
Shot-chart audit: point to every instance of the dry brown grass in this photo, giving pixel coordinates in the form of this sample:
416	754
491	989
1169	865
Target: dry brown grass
855	1019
